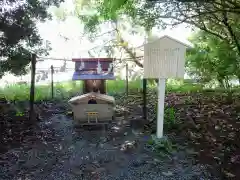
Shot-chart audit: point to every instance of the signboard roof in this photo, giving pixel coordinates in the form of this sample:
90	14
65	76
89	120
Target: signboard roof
168	38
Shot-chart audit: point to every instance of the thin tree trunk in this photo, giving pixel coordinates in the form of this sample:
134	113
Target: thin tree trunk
220	81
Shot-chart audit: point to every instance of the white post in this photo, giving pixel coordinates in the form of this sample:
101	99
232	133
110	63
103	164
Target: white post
160	110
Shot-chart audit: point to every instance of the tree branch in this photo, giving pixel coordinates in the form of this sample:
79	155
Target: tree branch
231	32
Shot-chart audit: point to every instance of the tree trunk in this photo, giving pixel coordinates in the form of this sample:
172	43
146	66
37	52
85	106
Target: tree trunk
227	85
238	79
220	81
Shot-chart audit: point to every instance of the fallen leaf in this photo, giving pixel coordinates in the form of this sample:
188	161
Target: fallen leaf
228	174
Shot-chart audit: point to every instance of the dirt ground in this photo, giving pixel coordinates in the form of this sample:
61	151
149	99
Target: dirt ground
207	137
56	149
211	123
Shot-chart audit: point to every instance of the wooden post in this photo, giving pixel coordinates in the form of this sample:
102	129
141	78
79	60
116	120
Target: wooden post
160	112
103	87
32	88
127	79
145	99
52	71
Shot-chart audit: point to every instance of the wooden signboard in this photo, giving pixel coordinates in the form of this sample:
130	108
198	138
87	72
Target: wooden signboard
163	58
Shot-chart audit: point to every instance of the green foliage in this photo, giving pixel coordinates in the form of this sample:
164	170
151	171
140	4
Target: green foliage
170	120
184	87
162	146
219	24
212	58
18	33
19	113
102	11
105	11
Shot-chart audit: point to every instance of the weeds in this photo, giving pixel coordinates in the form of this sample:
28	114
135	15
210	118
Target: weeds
170	120
19	114
162	146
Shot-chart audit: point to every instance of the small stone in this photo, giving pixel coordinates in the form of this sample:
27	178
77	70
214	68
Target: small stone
101	145
169	173
77	171
156	160
125	134
128	146
71	148
100	169
96	163
103	139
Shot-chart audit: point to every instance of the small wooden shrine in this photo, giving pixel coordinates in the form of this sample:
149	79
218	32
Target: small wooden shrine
94	72
94	106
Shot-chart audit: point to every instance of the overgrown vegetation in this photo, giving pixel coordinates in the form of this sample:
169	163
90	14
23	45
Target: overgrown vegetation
68	89
213	59
163	147
61	90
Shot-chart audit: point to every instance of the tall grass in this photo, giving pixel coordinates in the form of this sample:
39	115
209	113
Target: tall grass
71	88
21	92
61	90
120	86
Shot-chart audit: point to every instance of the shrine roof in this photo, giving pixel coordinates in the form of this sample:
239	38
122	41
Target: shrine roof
78	75
99	96
92	59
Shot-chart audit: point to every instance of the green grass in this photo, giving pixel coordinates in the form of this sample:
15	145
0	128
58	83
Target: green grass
61	90
184	88
42	92
120	86
71	88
